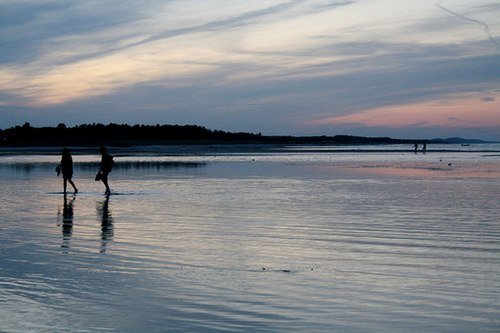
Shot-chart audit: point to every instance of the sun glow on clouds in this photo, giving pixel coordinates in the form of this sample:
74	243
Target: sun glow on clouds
104	50
95	77
469	111
186	39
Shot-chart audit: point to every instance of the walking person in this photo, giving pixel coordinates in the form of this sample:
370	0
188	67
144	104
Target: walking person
66	168
106	166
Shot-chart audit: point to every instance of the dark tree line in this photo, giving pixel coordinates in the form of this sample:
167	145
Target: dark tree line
128	135
120	134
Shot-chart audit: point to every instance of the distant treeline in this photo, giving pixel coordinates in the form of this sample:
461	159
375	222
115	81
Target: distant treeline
130	135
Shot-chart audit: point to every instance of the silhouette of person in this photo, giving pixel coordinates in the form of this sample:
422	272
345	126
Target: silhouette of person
107	229
106	166
67	221
416	147
66	168
424	148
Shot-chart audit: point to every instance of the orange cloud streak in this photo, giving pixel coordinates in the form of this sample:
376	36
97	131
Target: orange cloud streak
469	112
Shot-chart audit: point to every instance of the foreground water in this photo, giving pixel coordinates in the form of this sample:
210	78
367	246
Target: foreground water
269	242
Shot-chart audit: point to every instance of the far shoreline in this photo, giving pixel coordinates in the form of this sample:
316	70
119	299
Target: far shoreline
124	136
202	149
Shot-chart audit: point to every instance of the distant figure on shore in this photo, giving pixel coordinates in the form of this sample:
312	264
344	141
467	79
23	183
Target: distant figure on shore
424	148
106	166
416	147
66	168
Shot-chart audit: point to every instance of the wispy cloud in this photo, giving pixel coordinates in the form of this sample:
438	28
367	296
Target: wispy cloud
126	53
469	19
292	60
460	111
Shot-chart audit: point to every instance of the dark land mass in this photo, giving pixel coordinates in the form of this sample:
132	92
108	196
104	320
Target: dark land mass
87	135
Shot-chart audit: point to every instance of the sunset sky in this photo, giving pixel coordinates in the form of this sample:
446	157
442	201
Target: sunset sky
400	68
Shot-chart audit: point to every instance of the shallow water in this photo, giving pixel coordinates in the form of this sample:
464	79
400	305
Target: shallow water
252	242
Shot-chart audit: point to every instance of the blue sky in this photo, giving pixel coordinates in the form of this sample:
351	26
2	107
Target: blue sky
368	67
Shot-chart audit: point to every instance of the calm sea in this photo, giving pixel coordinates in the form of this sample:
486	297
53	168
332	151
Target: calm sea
294	240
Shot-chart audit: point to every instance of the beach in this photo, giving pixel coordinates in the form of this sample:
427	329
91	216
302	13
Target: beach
253	239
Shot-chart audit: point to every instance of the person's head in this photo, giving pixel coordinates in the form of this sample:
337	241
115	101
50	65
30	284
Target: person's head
65	151
102	150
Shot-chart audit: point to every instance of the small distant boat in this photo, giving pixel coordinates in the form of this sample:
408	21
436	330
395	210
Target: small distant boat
465	145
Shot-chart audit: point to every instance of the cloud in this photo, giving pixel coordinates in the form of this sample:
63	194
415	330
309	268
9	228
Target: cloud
290	60
460	111
99	62
42	29
479	22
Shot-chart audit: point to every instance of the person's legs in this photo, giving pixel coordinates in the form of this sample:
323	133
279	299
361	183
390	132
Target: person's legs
105	182
65	185
73	184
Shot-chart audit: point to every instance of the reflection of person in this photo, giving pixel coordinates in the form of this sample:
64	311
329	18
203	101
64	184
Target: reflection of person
106	166
67	221
107	229
66	168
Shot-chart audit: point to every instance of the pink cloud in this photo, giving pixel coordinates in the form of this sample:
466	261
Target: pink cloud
465	112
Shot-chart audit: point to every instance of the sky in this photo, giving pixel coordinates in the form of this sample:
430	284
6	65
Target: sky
399	68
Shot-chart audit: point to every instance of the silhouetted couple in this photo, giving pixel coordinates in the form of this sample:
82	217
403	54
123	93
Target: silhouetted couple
66	168
424	147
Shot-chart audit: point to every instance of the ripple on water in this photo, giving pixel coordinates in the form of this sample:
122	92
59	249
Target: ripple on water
256	250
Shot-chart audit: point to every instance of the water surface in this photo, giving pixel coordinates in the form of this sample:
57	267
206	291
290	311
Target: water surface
260	242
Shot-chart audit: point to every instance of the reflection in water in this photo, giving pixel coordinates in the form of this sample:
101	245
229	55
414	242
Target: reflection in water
107	229
341	252
66	220
158	165
143	165
27	168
